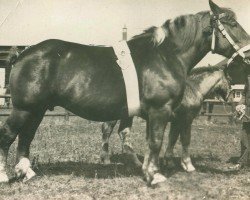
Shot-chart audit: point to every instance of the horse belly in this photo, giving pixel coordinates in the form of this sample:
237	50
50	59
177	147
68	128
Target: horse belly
93	98
97	110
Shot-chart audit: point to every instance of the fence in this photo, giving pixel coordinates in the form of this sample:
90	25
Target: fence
228	109
206	106
64	114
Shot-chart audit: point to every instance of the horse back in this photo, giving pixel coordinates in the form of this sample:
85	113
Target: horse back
84	79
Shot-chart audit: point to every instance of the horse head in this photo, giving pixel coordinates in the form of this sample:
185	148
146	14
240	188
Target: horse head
191	37
223	87
228	37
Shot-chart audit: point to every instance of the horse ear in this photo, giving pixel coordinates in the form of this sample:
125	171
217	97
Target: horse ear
214	8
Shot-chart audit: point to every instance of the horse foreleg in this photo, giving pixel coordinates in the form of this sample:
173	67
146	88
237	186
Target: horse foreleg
25	137
127	148
156	124
107	129
172	139
185	136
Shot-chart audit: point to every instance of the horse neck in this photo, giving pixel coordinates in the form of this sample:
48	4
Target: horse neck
196	44
209	82
192	56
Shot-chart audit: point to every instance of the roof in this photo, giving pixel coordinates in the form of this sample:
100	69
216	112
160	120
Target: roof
238	87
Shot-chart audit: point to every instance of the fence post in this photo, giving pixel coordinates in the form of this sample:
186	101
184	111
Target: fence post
66	117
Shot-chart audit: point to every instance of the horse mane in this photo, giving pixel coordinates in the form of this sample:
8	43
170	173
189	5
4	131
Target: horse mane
197	73
148	33
185	26
208	69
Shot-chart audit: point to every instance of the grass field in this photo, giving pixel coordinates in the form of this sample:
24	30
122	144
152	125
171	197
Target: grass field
68	165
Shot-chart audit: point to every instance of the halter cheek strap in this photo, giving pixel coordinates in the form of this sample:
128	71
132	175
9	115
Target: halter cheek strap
213	41
241	53
238	51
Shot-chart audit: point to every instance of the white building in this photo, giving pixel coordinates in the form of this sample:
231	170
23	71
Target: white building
237	92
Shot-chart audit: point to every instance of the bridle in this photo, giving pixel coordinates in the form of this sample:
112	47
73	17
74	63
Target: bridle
238	51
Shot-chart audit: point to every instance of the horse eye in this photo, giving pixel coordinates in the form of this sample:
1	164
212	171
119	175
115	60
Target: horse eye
234	24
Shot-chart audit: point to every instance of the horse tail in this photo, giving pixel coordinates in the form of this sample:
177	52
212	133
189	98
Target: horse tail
12	57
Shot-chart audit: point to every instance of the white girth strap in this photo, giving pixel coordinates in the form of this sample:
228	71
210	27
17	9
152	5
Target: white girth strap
127	66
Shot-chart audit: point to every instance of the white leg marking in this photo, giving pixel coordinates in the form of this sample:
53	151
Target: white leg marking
158	178
30	174
24	168
187	164
3	175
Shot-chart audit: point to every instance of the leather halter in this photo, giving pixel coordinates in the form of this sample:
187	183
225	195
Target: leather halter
238	51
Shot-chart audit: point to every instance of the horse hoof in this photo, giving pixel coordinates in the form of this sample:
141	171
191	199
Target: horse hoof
106	162
190	169
3	178
158	178
29	175
187	166
105	159
236	167
21	169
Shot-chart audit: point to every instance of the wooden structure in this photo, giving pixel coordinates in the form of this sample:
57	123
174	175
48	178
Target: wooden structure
4	57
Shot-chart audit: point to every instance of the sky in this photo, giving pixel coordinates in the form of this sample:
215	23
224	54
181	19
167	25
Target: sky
27	22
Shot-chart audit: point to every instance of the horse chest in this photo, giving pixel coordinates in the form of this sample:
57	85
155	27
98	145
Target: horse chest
161	87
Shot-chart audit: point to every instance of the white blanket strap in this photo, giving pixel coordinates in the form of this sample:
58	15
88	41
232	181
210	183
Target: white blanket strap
127	66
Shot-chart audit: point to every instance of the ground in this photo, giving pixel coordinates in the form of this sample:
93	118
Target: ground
65	155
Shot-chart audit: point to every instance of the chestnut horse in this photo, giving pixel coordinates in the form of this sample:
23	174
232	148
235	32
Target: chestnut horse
87	81
201	84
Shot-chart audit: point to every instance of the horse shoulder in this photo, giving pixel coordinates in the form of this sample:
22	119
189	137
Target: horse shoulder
160	87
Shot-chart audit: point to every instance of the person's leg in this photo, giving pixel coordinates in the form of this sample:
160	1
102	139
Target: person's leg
245	145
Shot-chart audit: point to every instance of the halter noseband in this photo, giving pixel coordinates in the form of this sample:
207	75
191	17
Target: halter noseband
238	51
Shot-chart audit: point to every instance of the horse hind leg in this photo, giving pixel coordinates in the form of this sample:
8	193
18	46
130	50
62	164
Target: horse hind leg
30	123
8	132
107	129
124	132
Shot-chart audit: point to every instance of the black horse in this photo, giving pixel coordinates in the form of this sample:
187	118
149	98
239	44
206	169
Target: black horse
87	81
